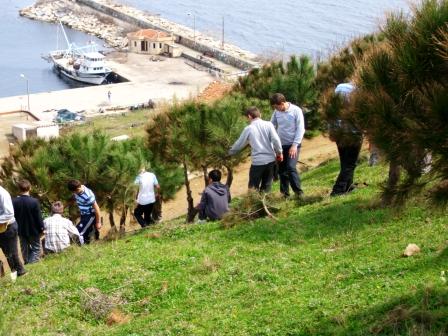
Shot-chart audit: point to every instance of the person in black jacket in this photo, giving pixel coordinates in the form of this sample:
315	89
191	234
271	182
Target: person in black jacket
31	226
215	198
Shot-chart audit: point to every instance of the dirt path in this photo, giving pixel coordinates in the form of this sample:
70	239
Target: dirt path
313	153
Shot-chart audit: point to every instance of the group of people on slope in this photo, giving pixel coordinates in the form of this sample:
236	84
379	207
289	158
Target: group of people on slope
273	143
21	219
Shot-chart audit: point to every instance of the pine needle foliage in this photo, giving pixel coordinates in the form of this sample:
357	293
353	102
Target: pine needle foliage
402	97
107	167
295	79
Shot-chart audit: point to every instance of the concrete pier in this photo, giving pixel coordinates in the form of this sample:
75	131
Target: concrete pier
157	80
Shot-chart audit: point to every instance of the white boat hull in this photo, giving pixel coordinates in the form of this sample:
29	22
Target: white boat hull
96	79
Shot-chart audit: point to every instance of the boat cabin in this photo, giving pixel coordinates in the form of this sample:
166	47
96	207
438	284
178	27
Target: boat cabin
93	62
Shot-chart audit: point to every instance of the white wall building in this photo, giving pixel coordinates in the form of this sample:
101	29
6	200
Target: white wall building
36	129
153	42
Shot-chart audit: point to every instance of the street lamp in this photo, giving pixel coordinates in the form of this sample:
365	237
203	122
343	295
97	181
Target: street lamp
27	89
194	26
222	46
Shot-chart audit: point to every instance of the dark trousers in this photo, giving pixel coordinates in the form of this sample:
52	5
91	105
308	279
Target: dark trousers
348	156
143	214
8	244
30	247
86	228
287	171
260	177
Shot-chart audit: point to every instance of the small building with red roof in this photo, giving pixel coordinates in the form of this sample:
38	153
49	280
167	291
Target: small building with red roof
151	42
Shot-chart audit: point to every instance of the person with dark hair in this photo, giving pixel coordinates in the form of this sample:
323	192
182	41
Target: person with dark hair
29	220
265	149
215	198
290	125
348	140
9	233
59	230
88	209
148	191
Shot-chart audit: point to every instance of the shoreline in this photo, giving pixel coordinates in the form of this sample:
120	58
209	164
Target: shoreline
111	22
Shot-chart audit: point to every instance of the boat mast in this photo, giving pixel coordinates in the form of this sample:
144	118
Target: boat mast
65	35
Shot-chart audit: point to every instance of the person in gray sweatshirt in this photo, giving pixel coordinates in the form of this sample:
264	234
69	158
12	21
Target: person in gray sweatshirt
289	123
215	198
265	148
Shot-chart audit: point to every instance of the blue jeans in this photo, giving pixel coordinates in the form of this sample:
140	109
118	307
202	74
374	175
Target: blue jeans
287	172
86	228
30	249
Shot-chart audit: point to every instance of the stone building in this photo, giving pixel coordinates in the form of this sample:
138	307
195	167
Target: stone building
152	42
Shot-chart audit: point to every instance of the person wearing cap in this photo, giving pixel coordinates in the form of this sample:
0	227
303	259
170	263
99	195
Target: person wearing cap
9	233
59	230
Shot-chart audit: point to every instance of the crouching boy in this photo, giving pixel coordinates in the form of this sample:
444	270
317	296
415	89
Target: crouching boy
215	198
59	230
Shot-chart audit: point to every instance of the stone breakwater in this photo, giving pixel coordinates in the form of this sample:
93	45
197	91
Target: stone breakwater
80	18
111	21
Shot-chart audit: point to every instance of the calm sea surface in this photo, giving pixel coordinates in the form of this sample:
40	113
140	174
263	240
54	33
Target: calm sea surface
262	26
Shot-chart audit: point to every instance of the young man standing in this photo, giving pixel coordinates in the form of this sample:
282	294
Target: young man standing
88	209
265	148
289	123
8	233
215	198
148	190
29	220
58	230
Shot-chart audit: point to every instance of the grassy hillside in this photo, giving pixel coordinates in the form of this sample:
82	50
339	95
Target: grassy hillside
333	267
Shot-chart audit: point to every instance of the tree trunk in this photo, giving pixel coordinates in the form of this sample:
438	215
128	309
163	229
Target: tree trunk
205	172
229	179
392	182
124	214
111	218
191	212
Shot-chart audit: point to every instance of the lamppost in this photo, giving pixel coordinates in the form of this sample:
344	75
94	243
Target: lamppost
194	26
222	46
27	89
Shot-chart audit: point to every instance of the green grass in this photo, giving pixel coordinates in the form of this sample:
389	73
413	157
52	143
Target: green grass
332	267
131	123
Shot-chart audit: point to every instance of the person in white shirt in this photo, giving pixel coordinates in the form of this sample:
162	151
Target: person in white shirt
59	230
9	234
148	190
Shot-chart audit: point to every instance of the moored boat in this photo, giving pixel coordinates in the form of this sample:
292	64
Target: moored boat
83	64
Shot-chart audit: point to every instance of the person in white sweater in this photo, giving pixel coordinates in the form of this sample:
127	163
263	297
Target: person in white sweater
265	149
